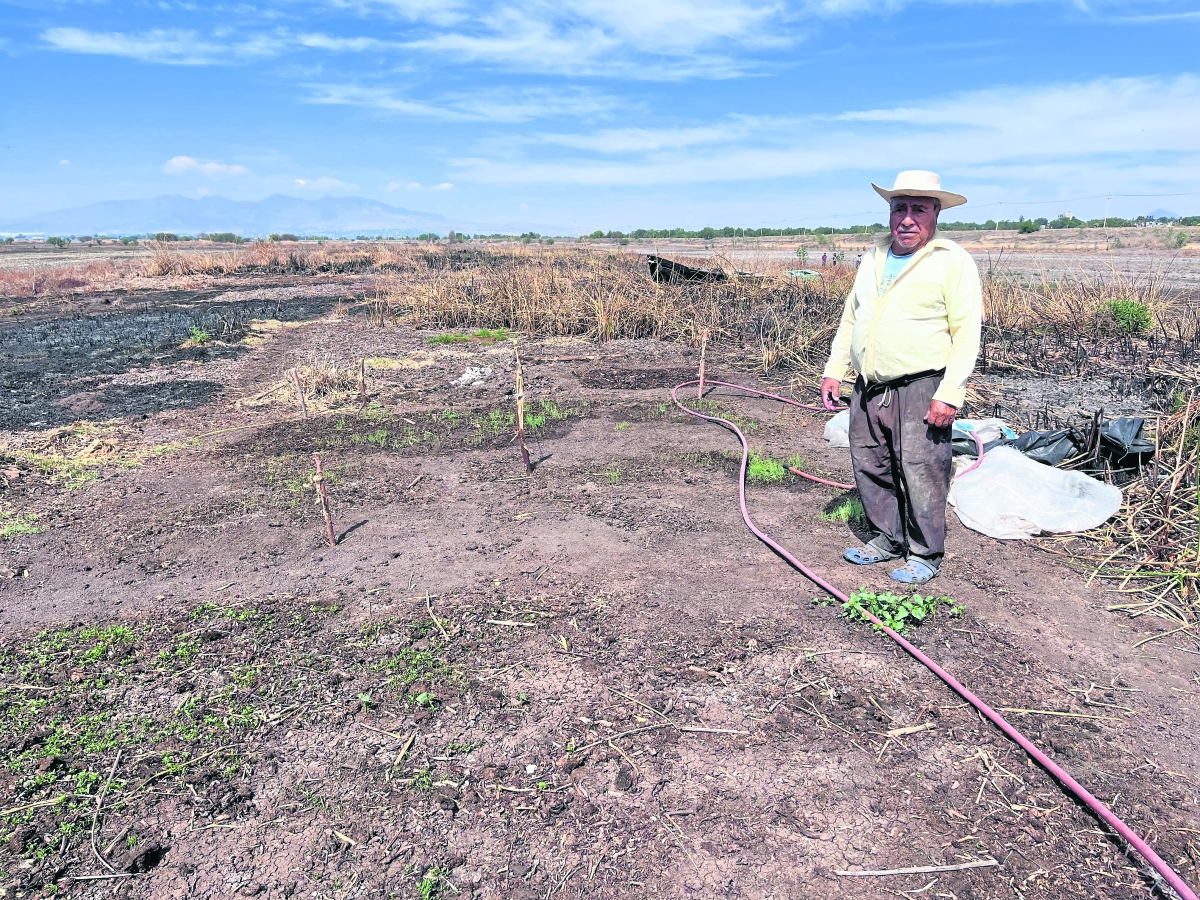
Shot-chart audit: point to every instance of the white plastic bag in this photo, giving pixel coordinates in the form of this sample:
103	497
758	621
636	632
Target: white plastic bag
1012	497
837	430
473	377
988	429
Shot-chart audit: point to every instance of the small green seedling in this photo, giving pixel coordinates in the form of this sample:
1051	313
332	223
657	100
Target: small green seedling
430	887
426	699
848	512
199	336
901	614
764	470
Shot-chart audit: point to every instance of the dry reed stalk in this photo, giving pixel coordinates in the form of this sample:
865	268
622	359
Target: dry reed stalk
362	383
299	391
703	350
323	499
521	412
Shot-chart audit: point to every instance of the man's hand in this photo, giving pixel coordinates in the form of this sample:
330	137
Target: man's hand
940	415
831	394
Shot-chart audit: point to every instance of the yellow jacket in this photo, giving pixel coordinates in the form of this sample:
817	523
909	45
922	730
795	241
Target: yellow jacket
928	319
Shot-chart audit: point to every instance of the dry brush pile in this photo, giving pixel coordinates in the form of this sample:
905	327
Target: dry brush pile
1150	550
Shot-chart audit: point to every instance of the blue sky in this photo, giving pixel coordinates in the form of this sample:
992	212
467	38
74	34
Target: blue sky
605	113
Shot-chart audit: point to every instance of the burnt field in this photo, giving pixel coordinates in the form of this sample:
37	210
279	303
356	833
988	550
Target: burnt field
590	682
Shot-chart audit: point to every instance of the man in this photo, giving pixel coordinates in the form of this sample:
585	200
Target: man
910	329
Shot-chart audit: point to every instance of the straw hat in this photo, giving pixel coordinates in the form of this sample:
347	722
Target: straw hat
916	183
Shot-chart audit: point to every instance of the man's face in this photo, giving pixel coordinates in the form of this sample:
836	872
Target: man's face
913	221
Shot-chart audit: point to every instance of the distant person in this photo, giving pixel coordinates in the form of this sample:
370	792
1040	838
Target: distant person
913	339
858	261
824	259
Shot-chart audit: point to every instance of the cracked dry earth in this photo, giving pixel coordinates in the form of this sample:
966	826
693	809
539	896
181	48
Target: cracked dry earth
590	683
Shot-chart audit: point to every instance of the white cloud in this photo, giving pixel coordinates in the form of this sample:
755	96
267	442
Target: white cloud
682	26
416	186
647	140
382	99
184	165
1053	137
561	39
518	105
438	12
171	47
339	44
325	183
64	162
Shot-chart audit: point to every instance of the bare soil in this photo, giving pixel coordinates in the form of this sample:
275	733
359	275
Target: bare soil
589	683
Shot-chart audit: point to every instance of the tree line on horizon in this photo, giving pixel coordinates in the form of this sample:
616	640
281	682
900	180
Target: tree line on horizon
1021	225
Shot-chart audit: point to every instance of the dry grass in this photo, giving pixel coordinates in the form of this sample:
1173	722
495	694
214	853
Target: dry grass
61	280
266	258
778	320
325	385
1150	549
75	455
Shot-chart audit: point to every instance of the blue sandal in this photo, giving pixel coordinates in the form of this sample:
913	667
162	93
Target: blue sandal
915	571
868	555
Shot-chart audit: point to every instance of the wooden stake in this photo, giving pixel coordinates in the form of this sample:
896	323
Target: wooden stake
362	383
323	496
703	349
521	412
299	392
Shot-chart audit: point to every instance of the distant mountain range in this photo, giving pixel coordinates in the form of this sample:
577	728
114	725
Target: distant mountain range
329	216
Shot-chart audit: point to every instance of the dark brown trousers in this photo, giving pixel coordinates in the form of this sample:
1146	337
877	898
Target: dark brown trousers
901	465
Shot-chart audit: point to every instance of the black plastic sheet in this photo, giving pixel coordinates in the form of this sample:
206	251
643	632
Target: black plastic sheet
1121	443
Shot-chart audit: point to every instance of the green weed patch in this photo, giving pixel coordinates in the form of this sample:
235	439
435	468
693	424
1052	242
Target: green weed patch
764	470
482	336
845	512
17	524
899	613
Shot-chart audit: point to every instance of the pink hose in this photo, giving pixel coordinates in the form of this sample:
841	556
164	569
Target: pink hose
836	484
1168	874
788	400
